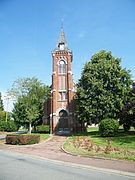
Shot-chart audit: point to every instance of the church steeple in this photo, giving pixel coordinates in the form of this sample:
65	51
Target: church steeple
62	112
62	43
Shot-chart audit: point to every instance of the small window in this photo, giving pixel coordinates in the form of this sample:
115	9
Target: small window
62	67
62	96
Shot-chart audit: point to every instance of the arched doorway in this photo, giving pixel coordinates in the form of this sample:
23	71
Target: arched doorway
63	123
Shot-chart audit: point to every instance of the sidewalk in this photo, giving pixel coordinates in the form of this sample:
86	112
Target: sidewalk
52	150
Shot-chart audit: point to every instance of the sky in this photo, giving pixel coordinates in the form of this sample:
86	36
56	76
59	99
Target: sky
29	31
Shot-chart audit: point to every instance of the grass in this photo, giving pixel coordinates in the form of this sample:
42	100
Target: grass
91	144
43	137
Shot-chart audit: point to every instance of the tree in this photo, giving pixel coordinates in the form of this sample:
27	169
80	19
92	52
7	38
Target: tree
19	113
30	96
102	89
127	115
2	115
1	103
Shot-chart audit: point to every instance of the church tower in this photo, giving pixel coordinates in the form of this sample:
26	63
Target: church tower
62	105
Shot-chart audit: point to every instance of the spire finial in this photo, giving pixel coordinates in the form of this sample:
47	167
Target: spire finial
62	24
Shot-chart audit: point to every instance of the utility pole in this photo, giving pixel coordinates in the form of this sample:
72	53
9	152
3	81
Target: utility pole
7	101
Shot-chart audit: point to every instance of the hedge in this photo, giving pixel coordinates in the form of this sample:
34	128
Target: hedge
22	139
42	129
108	127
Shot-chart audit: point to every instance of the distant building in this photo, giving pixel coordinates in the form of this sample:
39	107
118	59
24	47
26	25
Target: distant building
60	109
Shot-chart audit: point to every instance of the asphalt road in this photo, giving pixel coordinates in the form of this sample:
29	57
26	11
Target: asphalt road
14	166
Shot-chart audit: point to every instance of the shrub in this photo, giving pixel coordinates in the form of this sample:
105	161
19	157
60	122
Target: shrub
108	127
126	127
42	129
2	115
11	126
22	139
8	126
2	125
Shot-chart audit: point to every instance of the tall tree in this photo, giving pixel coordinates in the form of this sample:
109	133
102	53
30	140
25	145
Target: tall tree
2	115
1	103
102	89
127	115
30	96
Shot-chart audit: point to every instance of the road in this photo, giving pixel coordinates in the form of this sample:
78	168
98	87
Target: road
15	166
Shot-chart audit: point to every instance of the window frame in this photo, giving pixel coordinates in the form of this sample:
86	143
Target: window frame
62	68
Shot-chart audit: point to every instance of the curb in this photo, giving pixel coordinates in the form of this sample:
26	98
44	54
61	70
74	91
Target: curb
93	157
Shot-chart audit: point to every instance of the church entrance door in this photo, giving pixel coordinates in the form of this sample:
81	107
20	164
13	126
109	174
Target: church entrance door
63	127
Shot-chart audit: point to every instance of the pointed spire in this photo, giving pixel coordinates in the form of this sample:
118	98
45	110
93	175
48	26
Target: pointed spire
62	43
62	36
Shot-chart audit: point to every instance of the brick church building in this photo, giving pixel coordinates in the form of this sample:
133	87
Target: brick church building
60	108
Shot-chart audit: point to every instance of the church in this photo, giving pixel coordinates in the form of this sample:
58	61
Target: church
60	109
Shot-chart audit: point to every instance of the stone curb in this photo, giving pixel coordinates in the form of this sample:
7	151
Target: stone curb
93	157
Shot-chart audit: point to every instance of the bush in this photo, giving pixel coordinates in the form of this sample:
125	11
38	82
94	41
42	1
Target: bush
42	129
22	139
2	125
2	115
126	127
11	126
108	127
8	126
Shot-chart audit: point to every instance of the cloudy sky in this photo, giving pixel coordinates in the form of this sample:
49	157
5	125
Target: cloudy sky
29	30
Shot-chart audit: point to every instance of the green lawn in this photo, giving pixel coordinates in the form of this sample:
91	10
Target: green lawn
91	144
43	137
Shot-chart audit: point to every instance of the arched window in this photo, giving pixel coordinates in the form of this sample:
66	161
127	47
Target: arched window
62	67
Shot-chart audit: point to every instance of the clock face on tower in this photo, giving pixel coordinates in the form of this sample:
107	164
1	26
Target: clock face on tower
62	46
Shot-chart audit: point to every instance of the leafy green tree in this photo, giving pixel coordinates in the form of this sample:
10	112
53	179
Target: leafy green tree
127	115
2	115
19	112
102	89
30	96
1	103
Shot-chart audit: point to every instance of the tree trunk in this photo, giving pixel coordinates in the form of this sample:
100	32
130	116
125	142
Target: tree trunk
30	128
